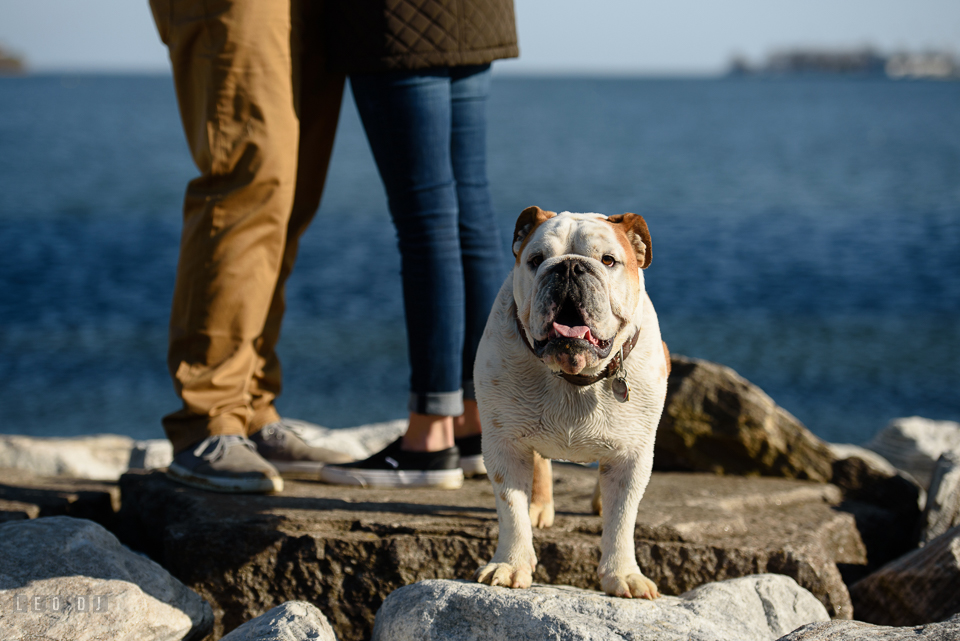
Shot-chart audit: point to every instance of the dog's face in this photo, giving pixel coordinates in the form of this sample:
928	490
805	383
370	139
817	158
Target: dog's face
577	283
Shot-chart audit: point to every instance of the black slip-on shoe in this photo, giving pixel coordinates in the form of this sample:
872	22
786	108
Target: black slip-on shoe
471	455
394	467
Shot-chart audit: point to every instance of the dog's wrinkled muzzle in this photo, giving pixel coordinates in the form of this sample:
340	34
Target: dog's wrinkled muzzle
571	342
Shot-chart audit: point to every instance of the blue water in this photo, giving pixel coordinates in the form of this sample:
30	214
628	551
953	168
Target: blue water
806	233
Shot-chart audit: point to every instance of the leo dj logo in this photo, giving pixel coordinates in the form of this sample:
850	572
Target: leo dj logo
59	603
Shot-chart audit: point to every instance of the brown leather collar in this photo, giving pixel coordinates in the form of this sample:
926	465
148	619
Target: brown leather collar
580	379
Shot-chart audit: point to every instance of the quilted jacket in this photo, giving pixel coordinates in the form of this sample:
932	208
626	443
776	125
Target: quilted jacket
388	35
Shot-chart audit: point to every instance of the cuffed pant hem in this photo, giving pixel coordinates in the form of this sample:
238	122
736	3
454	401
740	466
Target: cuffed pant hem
437	403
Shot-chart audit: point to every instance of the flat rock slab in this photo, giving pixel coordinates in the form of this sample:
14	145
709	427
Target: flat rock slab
66	579
756	608
24	495
345	549
948	630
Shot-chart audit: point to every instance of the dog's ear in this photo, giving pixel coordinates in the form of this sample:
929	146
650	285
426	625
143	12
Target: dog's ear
635	228
529	219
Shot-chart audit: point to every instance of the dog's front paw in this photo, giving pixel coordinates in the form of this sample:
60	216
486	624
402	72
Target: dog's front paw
505	574
541	514
629	586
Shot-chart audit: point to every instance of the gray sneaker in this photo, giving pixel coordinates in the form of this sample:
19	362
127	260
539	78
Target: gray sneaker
227	463
281	445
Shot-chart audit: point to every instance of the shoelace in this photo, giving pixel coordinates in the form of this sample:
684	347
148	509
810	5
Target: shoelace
280	430
296	430
221	443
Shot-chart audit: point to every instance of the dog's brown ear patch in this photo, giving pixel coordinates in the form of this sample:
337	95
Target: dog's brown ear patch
530	218
635	228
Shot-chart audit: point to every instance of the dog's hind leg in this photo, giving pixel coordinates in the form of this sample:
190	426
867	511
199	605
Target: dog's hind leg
541	499
596	502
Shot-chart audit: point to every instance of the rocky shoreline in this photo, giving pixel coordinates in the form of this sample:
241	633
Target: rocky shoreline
746	508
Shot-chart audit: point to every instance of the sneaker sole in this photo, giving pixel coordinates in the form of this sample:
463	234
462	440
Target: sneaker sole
440	479
298	469
228	484
473	466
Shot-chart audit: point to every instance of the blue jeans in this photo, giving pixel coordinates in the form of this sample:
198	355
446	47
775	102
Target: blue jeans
427	131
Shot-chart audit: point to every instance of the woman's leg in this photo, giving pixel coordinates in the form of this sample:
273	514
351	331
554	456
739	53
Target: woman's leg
480	244
407	117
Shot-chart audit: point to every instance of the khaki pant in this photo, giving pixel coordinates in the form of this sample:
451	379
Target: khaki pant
260	113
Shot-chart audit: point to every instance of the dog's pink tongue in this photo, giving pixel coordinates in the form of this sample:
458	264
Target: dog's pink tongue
581	331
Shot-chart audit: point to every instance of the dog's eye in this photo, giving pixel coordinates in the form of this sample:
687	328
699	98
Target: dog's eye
608	260
535	261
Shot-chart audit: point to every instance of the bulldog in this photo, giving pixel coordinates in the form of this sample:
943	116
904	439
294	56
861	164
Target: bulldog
571	366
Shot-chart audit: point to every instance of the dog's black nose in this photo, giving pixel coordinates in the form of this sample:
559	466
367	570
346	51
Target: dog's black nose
569	268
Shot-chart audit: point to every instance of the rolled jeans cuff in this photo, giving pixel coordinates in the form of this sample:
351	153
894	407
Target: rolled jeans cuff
437	403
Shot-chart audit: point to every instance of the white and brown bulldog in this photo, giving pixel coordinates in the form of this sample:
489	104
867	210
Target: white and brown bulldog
571	366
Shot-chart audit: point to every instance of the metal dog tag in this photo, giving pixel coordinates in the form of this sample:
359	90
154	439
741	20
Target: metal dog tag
621	391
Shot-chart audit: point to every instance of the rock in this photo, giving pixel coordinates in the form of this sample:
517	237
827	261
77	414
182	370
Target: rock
948	630
26	496
69	579
942	511
884	500
760	607
359	442
841	451
918	588
17	511
102	457
151	454
914	444
864	475
292	621
345	549
105	457
716	421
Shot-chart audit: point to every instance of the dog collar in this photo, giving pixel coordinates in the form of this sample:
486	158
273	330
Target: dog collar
612	368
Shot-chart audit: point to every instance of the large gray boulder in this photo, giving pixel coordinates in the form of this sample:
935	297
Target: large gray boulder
66	579
918	588
914	444
291	621
942	511
948	630
716	421
756	608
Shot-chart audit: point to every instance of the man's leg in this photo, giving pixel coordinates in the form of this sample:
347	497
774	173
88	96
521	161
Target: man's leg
319	95
233	73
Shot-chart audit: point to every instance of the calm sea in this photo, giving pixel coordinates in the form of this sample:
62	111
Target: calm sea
806	233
